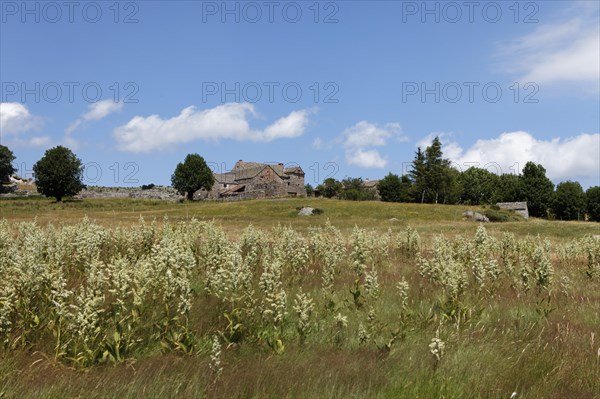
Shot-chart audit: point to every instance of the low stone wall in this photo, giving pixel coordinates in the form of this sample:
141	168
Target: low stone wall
159	193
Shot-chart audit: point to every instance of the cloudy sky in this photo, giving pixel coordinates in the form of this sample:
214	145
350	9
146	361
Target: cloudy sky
347	88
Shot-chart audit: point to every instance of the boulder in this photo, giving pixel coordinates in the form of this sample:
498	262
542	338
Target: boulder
478	217
306	211
475	216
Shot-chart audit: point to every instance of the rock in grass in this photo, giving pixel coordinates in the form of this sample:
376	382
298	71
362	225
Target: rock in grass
475	216
306	211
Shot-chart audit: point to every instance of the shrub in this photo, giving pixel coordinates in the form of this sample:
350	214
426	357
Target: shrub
495	214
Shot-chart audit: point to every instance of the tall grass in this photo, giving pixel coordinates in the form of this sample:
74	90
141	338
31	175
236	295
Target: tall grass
185	309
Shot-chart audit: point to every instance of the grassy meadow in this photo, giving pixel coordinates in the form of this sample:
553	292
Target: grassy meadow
236	215
368	299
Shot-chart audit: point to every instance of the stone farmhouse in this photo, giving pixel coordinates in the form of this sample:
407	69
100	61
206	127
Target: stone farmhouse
249	180
372	185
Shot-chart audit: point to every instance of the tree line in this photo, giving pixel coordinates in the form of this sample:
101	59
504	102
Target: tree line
433	180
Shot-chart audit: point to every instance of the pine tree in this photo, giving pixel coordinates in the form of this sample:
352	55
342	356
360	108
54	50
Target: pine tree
437	169
418	176
192	175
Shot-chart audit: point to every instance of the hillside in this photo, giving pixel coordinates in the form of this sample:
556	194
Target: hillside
233	216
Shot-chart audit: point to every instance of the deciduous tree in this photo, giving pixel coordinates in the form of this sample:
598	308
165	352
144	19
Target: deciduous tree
310	191
354	189
389	188
59	173
6	167
569	201
478	186
330	188
538	190
593	203
509	188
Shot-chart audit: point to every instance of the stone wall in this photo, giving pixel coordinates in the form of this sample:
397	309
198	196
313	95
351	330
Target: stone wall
159	193
296	185
266	181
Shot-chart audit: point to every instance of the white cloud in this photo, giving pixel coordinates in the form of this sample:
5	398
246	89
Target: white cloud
320	144
365	134
287	127
365	158
96	111
357	141
15	118
228	121
37	141
570	158
567	51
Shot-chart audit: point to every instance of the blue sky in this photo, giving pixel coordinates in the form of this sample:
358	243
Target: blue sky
346	88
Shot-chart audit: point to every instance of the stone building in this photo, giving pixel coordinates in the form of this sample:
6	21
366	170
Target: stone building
372	185
257	180
517	207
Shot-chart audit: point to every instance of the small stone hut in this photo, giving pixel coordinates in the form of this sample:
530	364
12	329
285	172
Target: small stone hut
518	207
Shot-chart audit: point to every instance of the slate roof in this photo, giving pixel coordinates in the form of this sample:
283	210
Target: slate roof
225	178
370	183
512	205
295	169
248	170
234	189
